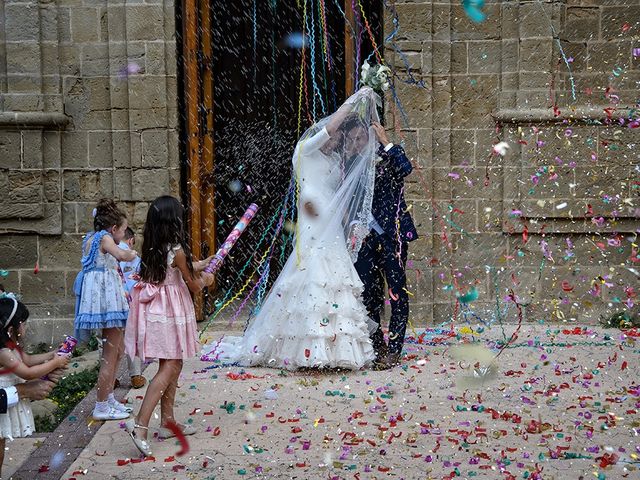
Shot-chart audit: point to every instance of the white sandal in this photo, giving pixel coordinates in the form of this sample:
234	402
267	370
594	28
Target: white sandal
140	443
165	433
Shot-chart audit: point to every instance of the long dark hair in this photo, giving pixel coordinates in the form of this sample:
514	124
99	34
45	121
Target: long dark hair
163	229
21	315
107	215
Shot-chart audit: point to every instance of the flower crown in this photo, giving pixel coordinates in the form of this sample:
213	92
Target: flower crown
376	76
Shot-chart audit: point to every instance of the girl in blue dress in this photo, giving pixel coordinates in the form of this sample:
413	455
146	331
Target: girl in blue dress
101	302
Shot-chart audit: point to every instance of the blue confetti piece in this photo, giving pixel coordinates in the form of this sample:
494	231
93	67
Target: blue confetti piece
473	10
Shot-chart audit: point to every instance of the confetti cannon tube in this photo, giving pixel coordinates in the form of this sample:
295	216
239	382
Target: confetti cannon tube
233	237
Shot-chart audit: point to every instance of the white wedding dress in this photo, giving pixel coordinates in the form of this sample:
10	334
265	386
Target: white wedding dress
313	315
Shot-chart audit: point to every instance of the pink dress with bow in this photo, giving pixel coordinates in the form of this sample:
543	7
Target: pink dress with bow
162	321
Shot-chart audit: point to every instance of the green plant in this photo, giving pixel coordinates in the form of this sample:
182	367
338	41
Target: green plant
38	348
66	395
622	320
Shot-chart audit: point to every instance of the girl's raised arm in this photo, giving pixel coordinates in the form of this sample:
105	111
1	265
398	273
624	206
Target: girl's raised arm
12	362
195	282
109	246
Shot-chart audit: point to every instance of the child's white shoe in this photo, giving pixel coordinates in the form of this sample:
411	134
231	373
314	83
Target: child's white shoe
109	414
119	406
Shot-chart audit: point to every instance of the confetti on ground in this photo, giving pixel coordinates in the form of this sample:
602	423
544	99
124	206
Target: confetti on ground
563	402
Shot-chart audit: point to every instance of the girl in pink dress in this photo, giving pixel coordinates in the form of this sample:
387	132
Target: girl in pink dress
162	321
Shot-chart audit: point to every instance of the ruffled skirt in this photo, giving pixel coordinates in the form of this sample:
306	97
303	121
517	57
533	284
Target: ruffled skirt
313	317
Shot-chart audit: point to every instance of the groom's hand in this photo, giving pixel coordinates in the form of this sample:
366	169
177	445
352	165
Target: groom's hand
381	134
310	209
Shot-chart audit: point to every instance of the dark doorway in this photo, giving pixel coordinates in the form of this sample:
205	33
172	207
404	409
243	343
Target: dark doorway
258	108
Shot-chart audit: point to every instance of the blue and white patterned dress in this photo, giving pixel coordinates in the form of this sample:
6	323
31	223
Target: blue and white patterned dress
101	300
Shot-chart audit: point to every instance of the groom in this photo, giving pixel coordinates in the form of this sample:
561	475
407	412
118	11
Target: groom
383	254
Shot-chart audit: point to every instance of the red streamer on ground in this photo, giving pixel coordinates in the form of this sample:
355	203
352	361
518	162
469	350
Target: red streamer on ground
184	444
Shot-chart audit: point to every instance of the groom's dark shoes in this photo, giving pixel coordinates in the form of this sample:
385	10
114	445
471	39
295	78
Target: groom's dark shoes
388	361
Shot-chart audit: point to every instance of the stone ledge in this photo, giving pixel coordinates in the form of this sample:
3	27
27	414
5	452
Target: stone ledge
27	120
581	114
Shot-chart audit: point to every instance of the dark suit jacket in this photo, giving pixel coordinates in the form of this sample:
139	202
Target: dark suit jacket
388	192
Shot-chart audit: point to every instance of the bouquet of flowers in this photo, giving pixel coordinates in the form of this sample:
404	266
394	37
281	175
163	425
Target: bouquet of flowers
376	76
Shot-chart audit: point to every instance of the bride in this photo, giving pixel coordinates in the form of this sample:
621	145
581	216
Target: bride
313	315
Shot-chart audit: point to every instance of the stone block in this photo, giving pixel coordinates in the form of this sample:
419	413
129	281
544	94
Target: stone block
18	251
462	147
174	148
58	253
23	58
25	186
139	217
154	148
582	24
479	249
99	93
416	21
32	149
576	53
122	148
69	218
536	55
417	104
69	60
441	147
473	100
464	28
100	149
147	92
75	150
441	52
87	185
608	56
122	180
94	60
22	85
48	23
171	61
10	148
614	17
459	57
155	58
84	25
441	24
145	22
43	287
149	183
489	214
52	186
113	25
51	149
84	216
422	213
151	118
486	57
21	22
510	16
533	19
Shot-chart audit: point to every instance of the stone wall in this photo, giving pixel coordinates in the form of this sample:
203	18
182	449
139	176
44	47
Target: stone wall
552	221
87	109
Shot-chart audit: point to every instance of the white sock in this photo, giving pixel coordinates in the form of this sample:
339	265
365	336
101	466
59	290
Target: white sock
111	399
102	406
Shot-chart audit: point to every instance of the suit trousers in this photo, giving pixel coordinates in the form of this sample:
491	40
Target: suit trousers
383	258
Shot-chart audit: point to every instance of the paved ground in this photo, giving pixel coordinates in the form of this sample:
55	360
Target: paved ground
18	452
558	405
